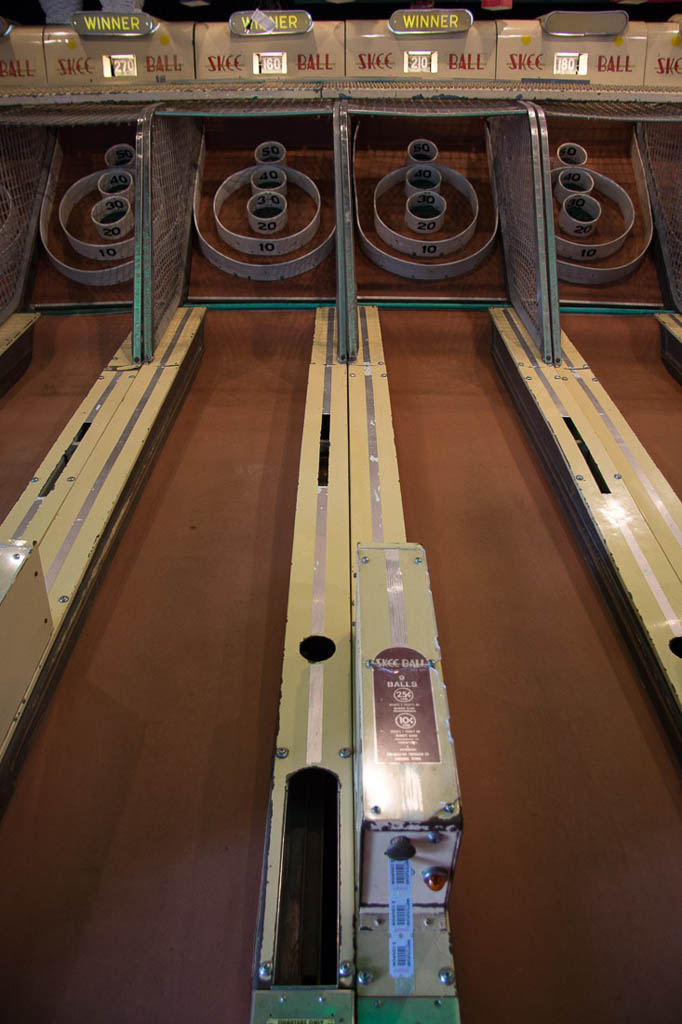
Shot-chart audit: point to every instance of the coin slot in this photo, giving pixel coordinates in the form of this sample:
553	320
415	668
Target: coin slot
587	455
63	462
307	933
316	648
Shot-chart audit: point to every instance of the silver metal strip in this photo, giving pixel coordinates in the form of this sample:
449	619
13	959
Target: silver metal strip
372	441
79	521
320	566
408	776
672	620
535	365
396	603
330	337
648	574
35	505
316	673
629	455
364	333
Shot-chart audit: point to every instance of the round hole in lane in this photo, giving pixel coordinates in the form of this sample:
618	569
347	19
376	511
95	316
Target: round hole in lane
675	646
317	648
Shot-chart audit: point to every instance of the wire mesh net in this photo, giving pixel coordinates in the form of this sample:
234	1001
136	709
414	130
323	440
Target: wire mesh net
434	106
661	146
64	114
174	153
517	183
614	110
251	104
24	164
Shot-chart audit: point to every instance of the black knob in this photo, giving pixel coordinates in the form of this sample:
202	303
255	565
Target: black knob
400	849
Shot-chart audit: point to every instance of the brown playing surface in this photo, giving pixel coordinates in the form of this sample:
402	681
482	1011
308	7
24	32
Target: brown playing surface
608	151
381	144
134	839
567	893
69	353
624	352
83	153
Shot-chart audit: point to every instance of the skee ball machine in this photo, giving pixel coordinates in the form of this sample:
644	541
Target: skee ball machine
290	306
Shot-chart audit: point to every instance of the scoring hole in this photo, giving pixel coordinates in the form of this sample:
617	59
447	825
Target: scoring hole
317	648
675	646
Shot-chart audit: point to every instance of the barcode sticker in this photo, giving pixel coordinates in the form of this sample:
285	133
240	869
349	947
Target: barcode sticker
401	957
400	924
399	875
400	915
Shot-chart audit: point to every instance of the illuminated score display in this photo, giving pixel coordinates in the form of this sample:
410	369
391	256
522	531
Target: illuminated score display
270	63
421	62
119	65
570	63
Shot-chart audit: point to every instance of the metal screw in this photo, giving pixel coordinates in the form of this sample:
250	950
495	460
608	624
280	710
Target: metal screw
585	366
345	752
282	999
595	380
345	969
377	1004
380	363
352	374
378	921
17	556
63	599
265	970
579	477
383	375
427	922
432	663
101	377
376	809
282	752
433	837
365	977
34	479
617	476
564	378
437	1002
447	976
321	999
449	808
529	378
417	561
557	376
70	479
369	663
364	559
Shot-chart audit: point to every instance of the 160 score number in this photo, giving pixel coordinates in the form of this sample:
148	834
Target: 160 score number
270	63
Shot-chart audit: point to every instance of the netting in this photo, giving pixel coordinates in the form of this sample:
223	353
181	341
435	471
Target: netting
435	106
661	146
174	153
65	114
24	165
518	179
614	110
